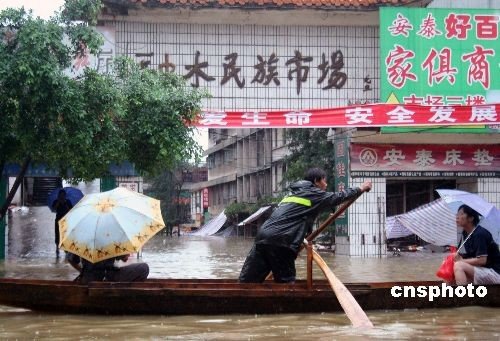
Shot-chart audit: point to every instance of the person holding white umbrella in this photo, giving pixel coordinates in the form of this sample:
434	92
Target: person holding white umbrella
105	227
108	270
477	259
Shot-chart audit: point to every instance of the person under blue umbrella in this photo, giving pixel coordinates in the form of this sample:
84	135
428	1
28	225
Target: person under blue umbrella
61	206
74	195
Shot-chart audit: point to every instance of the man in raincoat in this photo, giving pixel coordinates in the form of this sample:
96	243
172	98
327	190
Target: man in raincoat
278	240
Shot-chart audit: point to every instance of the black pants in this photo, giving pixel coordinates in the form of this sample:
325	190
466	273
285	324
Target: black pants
56	230
263	259
135	272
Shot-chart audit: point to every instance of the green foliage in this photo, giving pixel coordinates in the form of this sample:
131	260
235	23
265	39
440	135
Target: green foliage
167	187
88	123
238	209
85	124
309	148
85	11
266	201
33	86
159	109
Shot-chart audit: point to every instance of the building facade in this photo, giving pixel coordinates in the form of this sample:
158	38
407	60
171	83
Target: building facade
298	55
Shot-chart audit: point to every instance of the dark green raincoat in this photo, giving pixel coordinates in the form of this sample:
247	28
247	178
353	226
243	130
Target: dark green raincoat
293	219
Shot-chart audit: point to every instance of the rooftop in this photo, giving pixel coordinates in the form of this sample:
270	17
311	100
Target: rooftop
362	5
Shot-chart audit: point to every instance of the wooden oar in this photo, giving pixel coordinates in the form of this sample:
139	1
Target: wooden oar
351	307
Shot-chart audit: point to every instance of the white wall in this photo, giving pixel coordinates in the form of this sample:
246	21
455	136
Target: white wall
86	187
17	197
181	41
366	217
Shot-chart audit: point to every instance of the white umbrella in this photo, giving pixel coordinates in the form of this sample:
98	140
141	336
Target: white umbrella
490	214
433	222
109	224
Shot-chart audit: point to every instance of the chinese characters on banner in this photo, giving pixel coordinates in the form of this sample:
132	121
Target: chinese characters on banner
205	197
370	115
425	160
332	74
439	56
240	74
341	149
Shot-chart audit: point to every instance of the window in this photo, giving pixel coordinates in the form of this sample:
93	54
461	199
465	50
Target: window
261	152
404	196
219	159
275	187
210	161
228	156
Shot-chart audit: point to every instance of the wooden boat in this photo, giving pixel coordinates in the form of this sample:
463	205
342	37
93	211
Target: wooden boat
213	297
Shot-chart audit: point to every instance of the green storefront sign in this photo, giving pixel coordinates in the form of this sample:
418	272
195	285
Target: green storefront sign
341	147
439	56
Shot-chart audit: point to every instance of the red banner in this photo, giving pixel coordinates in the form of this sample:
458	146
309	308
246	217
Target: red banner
427	157
368	115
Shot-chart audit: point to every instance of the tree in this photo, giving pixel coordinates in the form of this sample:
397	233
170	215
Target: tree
167	187
159	109
80	126
309	148
237	211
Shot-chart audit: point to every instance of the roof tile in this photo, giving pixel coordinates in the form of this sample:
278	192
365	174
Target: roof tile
341	4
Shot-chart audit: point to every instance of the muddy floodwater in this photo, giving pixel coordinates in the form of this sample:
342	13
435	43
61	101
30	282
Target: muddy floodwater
31	254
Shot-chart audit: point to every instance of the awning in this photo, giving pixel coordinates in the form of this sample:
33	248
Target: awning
394	229
255	215
212	227
432	222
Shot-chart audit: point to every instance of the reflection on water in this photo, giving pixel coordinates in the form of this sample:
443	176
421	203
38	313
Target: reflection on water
31	254
437	324
217	257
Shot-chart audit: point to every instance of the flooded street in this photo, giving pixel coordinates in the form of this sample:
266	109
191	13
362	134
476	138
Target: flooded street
31	254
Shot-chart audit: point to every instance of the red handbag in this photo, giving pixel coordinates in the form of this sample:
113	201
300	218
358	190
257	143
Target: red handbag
445	271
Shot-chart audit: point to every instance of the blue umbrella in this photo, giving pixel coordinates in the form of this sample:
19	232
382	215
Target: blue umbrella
72	194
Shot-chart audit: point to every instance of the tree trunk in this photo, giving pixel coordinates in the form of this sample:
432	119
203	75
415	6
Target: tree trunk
2	164
13	191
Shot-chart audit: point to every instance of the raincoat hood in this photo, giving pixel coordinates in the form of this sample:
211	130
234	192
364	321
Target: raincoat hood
297	186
